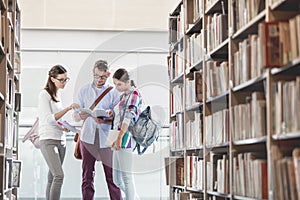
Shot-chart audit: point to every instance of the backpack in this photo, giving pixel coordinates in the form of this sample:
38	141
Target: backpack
33	134
145	131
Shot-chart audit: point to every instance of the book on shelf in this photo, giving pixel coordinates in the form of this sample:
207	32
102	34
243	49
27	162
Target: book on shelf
296	160
99	113
294	39
217	30
194	89
269	34
223	175
195	172
249	114
286	106
17	102
174	167
286	181
194	131
3	29
217	127
217	78
250	175
244	11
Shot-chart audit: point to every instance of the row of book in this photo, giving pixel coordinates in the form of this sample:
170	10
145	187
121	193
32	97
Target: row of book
198	10
249	119
174	171
247	61
250	175
195	172
287	179
177	133
280	42
3	28
194	131
217	169
217	78
176	27
176	99
195	49
176	63
194	89
194	10
217	30
217	128
244	11
286	107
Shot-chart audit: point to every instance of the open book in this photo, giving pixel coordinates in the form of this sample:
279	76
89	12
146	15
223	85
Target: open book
68	126
99	113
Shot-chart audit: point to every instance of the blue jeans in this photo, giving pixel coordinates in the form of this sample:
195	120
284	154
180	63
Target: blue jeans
54	153
123	172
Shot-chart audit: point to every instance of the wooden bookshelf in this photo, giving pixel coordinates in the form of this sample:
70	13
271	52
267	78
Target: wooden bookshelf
9	87
251	127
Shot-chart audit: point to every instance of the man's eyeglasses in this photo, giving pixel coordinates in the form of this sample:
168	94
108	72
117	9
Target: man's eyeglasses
62	80
101	77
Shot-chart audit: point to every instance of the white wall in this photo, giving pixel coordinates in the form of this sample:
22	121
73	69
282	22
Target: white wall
96	14
143	53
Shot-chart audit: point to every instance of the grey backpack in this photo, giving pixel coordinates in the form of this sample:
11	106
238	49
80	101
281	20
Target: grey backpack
145	131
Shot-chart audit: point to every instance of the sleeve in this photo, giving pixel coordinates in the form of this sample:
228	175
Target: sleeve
79	98
45	111
132	107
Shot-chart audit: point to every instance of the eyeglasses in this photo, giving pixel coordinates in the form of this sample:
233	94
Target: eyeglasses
62	80
101	77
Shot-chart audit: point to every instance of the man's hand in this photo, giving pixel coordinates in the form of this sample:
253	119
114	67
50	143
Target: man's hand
99	120
103	120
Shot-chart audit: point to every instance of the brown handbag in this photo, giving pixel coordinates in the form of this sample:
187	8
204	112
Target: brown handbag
77	152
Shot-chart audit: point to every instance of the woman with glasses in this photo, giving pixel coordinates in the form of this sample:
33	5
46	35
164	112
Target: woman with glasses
52	137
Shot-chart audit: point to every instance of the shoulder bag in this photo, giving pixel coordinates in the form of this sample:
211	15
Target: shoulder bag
77	152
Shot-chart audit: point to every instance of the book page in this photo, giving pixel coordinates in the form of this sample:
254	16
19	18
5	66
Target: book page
69	126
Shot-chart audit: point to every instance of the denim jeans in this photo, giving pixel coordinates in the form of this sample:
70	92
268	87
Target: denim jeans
54	153
123	172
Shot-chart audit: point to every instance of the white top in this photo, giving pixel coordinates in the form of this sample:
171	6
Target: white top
48	127
86	97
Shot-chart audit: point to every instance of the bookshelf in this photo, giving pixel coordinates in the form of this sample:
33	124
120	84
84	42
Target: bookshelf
10	98
234	99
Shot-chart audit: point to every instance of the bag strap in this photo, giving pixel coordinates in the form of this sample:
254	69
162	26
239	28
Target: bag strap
122	117
100	97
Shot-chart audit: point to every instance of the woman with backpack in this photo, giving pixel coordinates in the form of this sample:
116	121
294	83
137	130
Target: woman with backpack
125	113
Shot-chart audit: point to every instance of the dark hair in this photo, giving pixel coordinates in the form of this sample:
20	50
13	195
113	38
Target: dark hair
101	65
50	87
122	75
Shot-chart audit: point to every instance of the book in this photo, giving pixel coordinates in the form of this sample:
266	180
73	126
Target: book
68	126
99	113
113	135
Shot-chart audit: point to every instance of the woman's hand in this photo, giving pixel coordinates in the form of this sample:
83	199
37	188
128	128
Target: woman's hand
73	106
117	144
83	115
65	129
